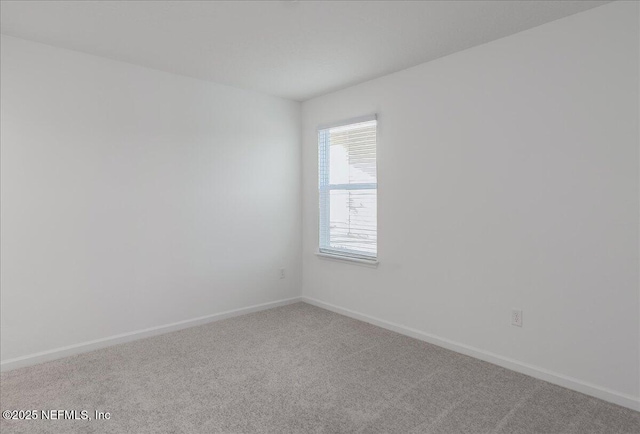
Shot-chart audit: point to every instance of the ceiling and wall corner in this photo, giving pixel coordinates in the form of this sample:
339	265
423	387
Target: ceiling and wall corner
295	50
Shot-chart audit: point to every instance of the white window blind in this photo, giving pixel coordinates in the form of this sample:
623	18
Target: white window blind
348	189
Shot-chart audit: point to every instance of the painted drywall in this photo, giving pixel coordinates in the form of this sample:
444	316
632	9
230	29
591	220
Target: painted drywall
508	178
133	198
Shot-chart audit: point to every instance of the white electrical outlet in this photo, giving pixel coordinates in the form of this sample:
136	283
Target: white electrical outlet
516	317
282	273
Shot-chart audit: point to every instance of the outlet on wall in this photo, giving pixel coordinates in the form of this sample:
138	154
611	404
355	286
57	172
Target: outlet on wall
282	273
516	317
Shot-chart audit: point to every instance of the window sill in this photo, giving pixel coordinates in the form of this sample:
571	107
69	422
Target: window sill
357	261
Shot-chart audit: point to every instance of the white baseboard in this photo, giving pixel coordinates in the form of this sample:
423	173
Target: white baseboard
57	353
514	365
524	368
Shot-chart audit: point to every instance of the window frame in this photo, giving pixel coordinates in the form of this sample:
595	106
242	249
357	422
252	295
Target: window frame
324	191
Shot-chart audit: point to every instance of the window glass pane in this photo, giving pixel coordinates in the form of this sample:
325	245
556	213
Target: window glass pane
352	154
353	221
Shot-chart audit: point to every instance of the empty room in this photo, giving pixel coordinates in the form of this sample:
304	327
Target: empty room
320	217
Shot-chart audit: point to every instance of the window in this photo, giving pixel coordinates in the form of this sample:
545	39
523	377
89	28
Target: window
348	189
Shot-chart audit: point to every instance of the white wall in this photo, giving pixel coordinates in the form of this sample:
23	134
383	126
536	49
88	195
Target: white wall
133	198
508	178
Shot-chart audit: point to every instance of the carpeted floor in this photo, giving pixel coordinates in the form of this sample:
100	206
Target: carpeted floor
297	369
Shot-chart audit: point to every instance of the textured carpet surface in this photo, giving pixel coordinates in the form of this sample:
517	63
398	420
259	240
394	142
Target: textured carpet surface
296	369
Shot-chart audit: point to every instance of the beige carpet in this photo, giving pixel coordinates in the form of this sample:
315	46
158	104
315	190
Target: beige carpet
297	369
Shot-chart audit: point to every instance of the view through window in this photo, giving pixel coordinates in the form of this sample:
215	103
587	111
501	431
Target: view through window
348	189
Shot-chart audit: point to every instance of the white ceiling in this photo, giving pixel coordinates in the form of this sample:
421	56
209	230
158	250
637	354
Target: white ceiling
292	49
